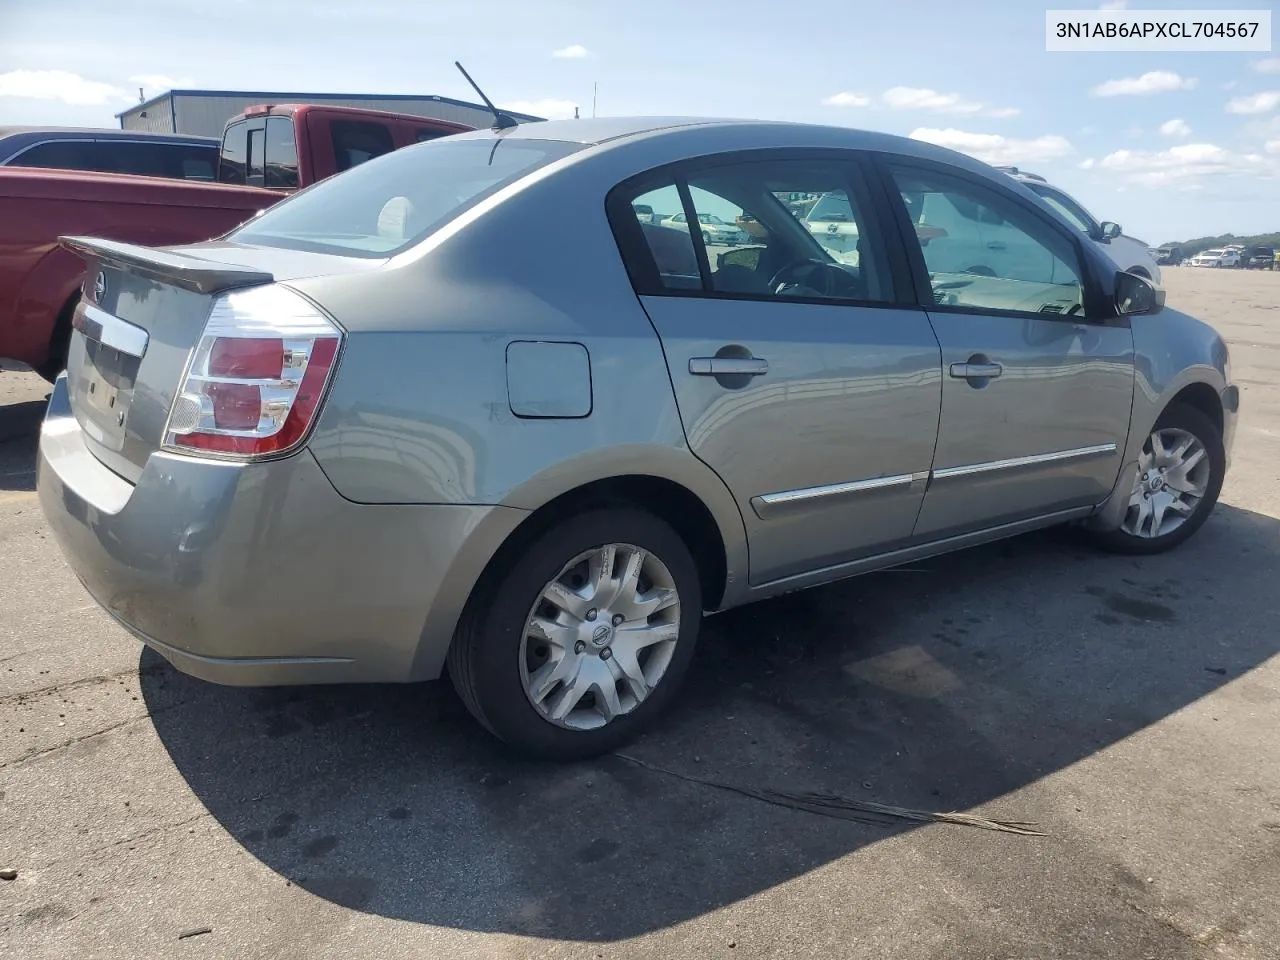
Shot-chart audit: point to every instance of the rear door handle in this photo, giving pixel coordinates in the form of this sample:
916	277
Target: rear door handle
976	371
728	366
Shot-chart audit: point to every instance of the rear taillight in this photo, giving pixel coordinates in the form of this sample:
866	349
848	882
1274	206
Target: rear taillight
256	379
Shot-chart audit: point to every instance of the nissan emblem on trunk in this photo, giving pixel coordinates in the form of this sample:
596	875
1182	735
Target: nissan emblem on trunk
99	287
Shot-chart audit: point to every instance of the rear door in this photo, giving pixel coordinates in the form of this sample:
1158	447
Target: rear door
1036	391
806	383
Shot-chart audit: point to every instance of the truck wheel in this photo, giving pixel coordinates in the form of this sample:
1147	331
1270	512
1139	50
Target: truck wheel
59	342
585	639
1180	473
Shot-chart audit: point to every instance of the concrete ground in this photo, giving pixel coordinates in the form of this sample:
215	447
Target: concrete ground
1128	707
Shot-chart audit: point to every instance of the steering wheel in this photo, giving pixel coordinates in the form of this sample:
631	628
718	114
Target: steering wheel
798	272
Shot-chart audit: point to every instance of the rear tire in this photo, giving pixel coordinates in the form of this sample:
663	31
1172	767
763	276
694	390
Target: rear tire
551	680
1152	524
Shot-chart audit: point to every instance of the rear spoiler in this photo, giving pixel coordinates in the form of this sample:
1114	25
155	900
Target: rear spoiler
178	269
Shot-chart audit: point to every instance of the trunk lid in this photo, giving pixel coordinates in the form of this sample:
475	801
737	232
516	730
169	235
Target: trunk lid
142	312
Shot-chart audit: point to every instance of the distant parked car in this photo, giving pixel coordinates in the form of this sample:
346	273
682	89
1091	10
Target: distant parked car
336	446
1217	257
1260	257
714	229
1128	253
832	224
177	156
1168	256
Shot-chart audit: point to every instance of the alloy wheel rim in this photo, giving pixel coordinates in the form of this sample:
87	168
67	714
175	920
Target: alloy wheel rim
1174	471
600	636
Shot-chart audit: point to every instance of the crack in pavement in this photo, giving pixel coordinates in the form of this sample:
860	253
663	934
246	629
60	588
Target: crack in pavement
19	695
72	741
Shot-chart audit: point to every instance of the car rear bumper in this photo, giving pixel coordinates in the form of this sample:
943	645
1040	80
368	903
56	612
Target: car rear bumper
253	574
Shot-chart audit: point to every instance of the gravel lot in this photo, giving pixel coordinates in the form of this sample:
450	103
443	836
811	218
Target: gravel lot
1128	707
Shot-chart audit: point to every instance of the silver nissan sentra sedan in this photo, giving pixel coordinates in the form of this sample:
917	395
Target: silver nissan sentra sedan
463	410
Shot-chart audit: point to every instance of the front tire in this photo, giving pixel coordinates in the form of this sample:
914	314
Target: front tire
1180	474
583	641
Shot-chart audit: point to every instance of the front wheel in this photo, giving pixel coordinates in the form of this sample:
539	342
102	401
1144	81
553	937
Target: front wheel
584	640
1180	474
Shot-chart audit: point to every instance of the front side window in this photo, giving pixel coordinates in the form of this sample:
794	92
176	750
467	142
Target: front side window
734	229
256	173
235	153
387	205
985	251
1064	205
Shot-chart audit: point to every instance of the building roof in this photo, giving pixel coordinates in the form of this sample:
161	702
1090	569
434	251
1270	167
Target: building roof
276	97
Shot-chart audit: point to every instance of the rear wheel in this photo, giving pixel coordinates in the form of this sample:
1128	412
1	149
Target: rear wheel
583	641
1180	473
59	343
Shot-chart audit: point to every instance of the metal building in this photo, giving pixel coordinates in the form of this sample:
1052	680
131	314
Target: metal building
205	112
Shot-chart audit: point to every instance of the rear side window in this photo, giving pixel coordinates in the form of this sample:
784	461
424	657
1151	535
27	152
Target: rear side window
282	153
58	155
387	205
358	141
235	153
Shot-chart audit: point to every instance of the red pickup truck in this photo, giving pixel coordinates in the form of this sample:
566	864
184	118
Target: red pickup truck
267	153
40	281
290	145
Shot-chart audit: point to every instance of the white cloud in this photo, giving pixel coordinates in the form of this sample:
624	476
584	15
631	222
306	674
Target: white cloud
1086	164
58	85
1267	66
549	108
995	149
1180	165
1113	4
575	51
1273	146
847	99
922	98
154	84
1154	81
1176	127
1263	102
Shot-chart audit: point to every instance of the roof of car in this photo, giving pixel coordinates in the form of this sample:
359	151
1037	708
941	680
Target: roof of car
611	130
105	133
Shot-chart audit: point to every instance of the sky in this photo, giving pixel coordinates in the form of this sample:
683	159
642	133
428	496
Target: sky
1170	145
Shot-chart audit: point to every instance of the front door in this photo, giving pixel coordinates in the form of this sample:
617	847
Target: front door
799	377
1036	396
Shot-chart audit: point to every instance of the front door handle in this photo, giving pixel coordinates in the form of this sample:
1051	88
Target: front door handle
976	371
728	366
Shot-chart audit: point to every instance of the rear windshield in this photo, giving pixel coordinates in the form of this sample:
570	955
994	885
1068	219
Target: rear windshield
388	204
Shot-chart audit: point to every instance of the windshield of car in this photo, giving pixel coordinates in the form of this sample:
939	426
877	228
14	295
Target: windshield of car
388	204
1065	206
831	207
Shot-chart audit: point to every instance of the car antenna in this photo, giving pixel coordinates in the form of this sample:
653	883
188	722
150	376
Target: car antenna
501	121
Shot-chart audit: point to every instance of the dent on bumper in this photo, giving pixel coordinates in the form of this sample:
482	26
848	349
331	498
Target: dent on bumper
262	573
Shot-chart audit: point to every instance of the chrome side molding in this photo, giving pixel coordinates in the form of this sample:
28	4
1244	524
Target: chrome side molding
1015	463
768	505
772	504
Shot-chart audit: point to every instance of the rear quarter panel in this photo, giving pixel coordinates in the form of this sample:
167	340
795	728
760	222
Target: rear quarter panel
419	410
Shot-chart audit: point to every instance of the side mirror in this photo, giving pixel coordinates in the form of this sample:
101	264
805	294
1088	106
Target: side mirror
1137	295
1111	230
